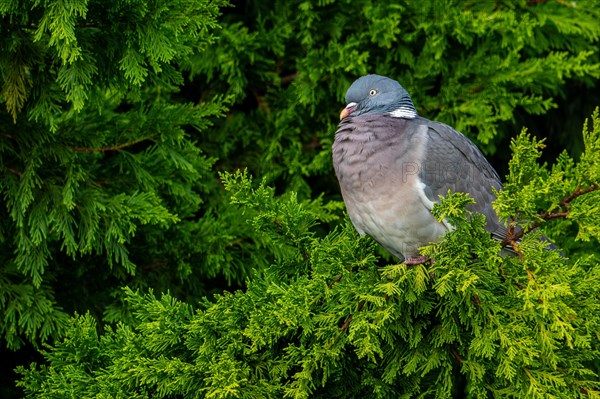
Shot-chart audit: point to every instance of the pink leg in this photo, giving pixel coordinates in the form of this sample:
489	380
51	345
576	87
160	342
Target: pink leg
416	260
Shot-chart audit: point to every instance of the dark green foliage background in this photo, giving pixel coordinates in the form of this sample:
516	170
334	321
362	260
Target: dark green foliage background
121	119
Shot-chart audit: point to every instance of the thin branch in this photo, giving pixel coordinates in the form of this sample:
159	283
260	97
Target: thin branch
112	148
477	301
512	237
515	247
456	355
154	265
35	26
335	281
578	192
289	78
556	215
476	89
15	172
346	324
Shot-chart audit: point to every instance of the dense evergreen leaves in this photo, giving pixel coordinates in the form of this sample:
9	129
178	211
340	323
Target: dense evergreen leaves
325	321
97	161
138	254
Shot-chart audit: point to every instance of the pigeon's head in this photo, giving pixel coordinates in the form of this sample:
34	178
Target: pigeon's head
372	94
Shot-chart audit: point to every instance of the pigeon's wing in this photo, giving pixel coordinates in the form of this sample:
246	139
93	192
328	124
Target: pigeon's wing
452	162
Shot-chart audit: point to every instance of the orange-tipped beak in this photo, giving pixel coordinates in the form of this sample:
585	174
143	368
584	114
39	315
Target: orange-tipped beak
348	110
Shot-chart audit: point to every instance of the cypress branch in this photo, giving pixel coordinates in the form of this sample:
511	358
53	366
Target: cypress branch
514	236
122	129
114	147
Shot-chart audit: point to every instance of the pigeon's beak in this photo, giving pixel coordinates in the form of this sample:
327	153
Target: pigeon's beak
348	110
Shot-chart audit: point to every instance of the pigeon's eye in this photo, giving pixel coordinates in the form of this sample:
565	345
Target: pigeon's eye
372	92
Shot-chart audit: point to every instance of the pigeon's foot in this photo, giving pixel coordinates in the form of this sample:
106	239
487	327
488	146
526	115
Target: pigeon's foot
416	260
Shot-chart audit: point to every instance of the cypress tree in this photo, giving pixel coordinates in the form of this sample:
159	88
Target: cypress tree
148	264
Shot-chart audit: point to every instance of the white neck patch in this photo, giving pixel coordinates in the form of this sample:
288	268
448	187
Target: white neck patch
403	112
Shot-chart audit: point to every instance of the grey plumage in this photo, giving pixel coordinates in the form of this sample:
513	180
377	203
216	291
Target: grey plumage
392	165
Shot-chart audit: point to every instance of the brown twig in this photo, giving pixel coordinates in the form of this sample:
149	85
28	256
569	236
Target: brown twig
512	237
35	26
578	192
15	172
476	89
112	148
289	78
456	355
154	265
335	280
346	323
477	300
344	326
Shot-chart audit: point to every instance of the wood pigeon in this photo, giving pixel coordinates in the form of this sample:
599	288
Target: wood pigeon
392	165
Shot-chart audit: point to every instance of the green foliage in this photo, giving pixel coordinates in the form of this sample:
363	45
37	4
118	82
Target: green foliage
568	190
285	221
474	65
96	152
122	126
323	320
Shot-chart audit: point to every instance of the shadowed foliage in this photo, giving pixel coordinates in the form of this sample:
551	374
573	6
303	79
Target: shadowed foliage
147	265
